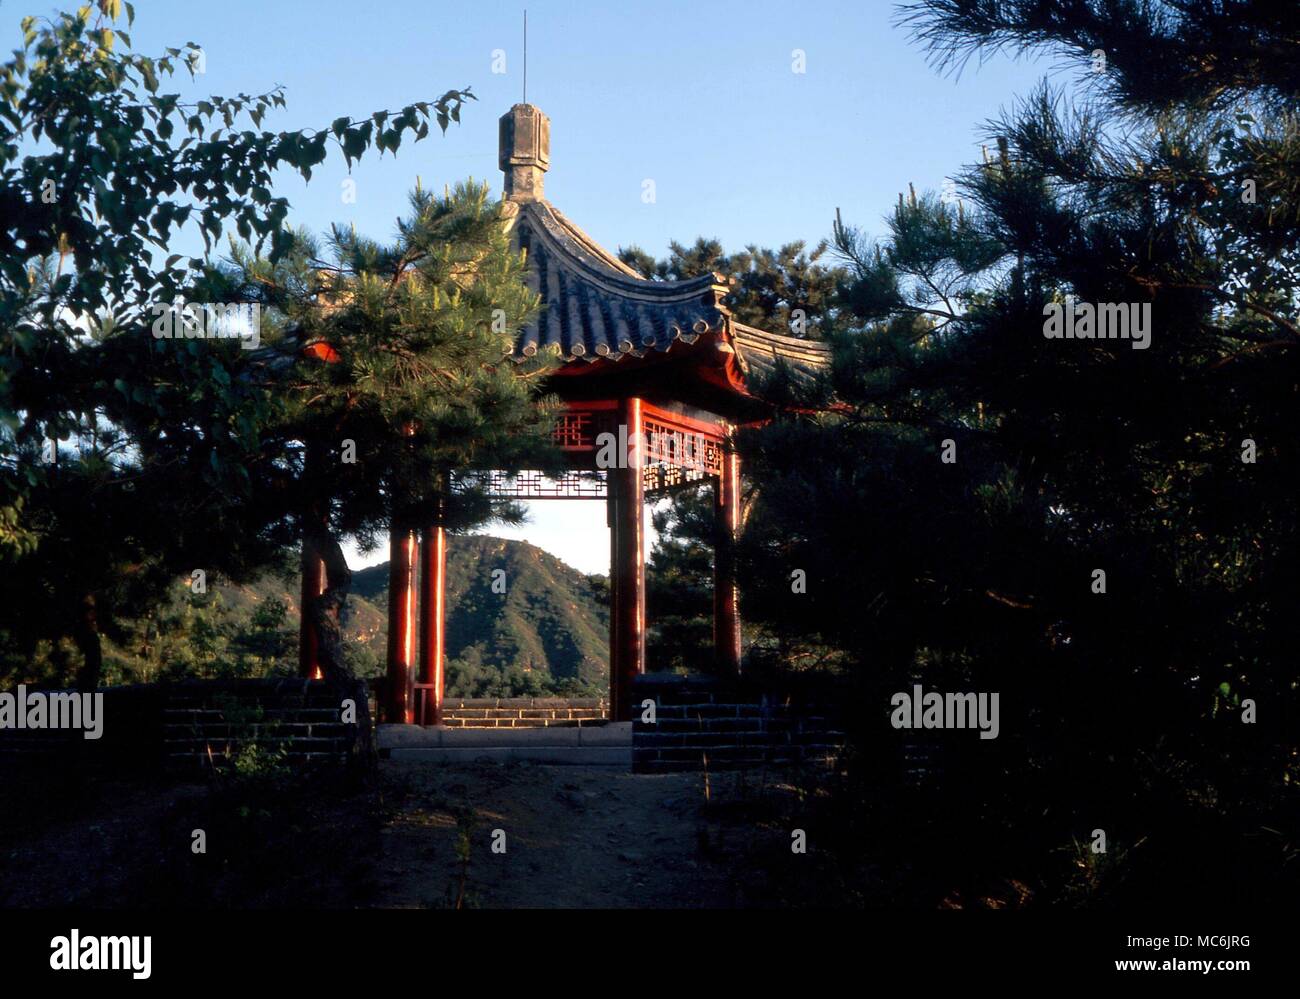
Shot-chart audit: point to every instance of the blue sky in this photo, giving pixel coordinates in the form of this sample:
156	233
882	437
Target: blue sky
699	97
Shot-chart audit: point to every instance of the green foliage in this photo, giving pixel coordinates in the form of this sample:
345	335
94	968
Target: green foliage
1070	455
233	631
259	756
546	636
254	760
418	333
679	585
767	285
160	441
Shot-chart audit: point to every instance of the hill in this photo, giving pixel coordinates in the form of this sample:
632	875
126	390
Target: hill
519	623
519	620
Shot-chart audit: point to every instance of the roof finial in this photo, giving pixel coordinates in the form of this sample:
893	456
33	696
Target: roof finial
525	152
525	55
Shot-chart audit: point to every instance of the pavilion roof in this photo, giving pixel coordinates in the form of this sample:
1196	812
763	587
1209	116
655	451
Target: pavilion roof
597	311
594	307
598	314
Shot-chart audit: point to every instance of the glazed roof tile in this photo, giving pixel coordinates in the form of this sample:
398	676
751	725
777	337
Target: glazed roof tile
596	308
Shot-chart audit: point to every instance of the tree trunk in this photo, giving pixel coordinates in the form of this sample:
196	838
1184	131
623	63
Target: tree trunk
326	613
86	635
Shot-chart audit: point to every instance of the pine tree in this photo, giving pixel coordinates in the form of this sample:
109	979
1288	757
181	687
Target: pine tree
952	512
788	290
407	383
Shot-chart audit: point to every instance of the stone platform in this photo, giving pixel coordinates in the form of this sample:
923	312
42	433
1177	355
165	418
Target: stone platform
523	712
608	744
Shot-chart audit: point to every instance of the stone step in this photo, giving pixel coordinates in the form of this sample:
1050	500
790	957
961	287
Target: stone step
404	737
585	756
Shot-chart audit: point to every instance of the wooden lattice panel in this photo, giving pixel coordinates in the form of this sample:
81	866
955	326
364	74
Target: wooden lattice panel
575	431
535	485
676	452
667	478
682	449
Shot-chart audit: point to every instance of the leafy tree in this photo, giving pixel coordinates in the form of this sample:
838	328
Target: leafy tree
101	173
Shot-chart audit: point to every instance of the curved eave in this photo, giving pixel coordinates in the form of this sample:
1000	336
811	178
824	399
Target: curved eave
759	352
595	308
601	318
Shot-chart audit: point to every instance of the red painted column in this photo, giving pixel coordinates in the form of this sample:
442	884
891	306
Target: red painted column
433	590
611	521
611	515
401	627
312	567
726	594
313	585
627	572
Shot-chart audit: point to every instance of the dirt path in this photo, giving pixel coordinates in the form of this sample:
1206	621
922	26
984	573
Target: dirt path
575	837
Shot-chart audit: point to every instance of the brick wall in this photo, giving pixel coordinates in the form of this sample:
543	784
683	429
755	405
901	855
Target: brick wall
699	719
523	712
703	721
186	724
300	719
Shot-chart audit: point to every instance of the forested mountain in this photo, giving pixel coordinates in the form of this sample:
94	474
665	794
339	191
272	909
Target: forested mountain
519	622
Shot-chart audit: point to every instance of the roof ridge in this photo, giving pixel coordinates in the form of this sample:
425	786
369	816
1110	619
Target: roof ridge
781	339
576	233
603	266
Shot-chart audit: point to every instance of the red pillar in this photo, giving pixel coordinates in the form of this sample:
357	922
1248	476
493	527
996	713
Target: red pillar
611	521
433	574
627	569
726	595
401	627
312	566
313	585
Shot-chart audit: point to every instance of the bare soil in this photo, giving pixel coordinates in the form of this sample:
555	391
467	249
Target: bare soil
570	837
416	835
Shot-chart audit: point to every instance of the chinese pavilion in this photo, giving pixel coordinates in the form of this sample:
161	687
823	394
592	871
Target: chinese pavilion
662	367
